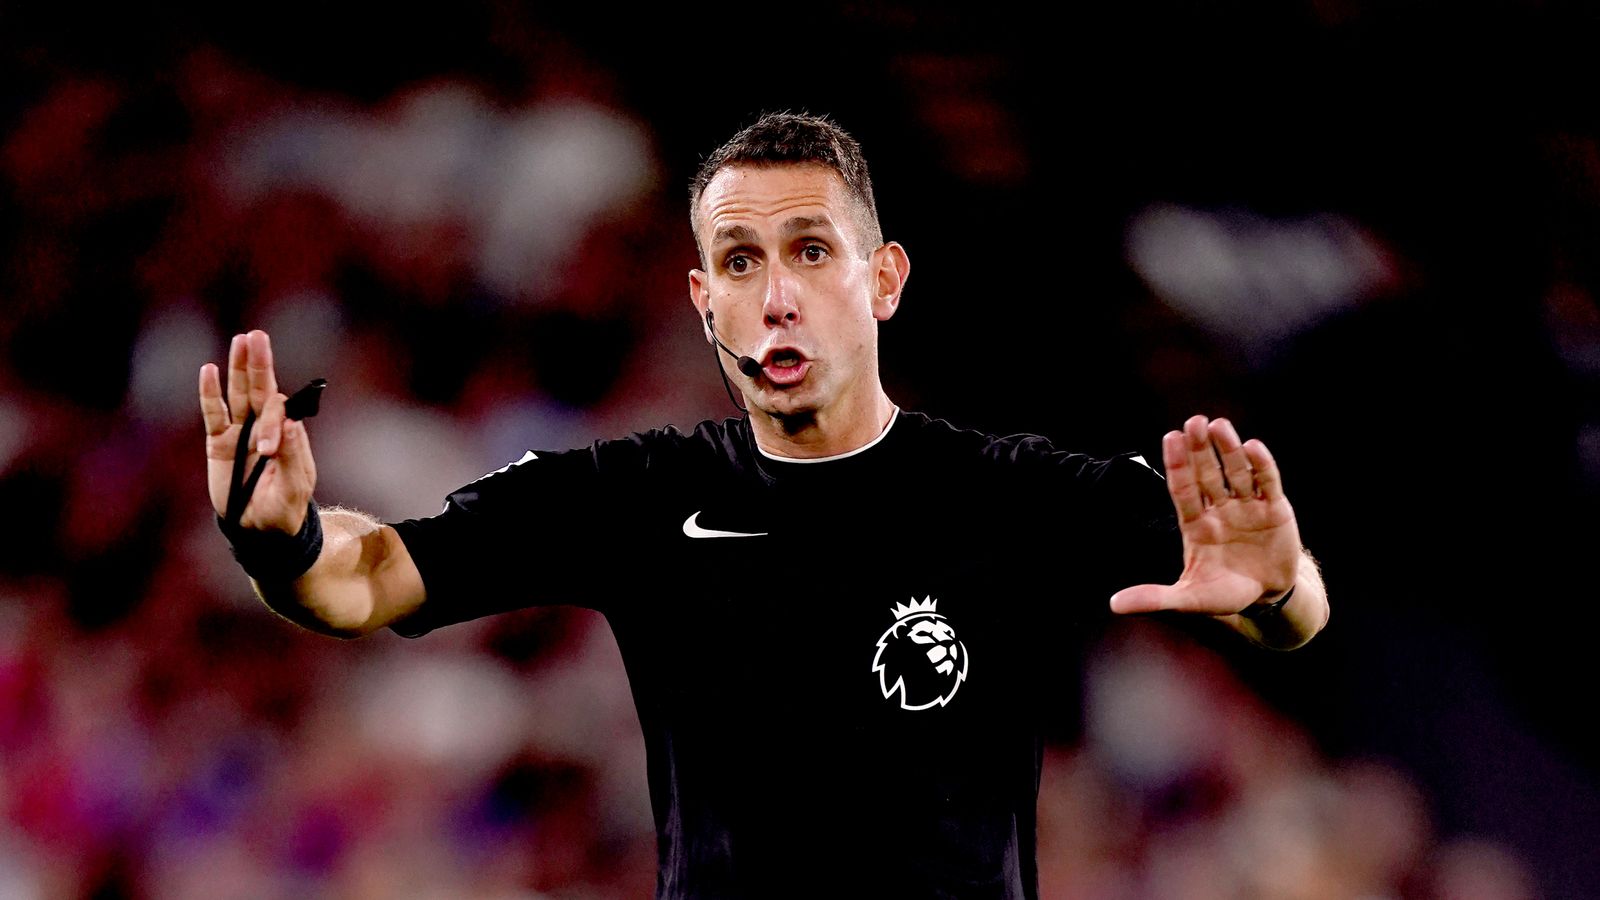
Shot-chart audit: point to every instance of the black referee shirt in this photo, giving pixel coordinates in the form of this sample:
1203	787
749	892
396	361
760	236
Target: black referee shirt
842	667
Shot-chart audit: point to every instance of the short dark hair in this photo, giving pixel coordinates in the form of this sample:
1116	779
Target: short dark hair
793	138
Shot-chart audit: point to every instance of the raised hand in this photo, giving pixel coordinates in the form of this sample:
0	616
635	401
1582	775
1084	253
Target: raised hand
280	497
1241	544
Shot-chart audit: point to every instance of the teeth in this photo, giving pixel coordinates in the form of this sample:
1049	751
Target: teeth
786	363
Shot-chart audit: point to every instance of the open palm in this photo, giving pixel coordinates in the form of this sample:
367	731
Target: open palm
1240	540
279	499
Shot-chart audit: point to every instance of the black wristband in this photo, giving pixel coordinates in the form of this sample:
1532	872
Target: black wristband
272	556
1261	610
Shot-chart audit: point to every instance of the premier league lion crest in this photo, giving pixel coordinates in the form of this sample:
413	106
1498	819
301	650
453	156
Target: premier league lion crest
919	657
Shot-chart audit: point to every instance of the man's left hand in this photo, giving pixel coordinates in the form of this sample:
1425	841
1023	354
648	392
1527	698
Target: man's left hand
1241	545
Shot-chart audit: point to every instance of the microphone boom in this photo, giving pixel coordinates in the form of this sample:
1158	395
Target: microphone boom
745	364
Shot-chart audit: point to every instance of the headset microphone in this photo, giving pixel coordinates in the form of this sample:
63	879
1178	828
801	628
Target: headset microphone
745	364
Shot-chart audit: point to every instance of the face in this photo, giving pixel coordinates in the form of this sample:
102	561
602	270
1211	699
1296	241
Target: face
790	285
943	650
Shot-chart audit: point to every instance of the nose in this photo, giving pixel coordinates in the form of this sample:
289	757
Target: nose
781	303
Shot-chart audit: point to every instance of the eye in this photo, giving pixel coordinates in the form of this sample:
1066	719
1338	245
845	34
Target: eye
814	253
738	264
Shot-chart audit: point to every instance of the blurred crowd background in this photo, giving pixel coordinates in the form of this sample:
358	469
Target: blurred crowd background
1366	232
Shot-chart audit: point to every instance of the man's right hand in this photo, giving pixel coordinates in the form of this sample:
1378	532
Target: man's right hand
364	578
280	498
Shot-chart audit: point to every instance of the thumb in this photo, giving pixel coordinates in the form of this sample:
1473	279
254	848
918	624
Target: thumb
1143	598
291	447
294	456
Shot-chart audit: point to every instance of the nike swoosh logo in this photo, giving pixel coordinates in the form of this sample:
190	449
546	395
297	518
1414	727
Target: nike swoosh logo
693	529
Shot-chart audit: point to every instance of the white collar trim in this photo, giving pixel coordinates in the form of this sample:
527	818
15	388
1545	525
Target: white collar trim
848	453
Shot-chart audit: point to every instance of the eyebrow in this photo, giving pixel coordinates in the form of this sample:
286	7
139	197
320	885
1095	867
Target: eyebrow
806	223
744	234
741	234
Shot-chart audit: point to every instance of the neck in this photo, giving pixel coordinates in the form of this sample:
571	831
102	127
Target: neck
823	432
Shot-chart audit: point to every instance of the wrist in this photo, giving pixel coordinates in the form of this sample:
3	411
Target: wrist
1259	610
276	556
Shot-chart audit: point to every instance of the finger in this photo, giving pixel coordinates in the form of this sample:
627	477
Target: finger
308	462
238	378
1143	598
1268	480
212	410
269	427
1206	469
263	383
1235	464
294	454
1215	597
1180	476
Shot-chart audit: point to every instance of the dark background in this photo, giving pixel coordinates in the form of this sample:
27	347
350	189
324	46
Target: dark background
1366	234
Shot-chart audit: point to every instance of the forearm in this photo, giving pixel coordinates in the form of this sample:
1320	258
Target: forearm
1299	620
340	594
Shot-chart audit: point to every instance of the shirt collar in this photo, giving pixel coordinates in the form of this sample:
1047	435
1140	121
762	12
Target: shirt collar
845	455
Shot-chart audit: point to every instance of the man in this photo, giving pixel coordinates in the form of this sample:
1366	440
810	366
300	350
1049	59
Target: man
845	625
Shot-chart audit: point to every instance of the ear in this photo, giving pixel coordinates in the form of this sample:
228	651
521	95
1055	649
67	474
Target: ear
700	296
891	268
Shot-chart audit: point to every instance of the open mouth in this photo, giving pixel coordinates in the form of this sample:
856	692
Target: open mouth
785	365
785	358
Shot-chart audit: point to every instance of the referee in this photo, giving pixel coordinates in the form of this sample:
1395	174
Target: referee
846	625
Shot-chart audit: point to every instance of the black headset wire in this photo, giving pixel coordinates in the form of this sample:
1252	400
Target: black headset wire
743	362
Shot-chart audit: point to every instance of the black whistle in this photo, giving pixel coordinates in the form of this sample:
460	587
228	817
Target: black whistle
304	403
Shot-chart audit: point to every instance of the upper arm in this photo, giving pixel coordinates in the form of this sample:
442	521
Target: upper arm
1126	514
544	530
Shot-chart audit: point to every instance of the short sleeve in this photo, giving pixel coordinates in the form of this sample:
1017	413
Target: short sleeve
535	532
1104	523
1130	523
